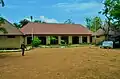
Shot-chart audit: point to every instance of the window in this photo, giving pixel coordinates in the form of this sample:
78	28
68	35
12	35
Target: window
10	36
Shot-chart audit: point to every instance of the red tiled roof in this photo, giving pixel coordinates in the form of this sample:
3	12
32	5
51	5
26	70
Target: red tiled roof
40	28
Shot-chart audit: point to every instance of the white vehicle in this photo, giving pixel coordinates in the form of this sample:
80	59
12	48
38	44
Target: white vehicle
107	44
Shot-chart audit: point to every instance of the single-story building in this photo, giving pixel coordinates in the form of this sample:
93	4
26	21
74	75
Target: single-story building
100	35
71	33
13	38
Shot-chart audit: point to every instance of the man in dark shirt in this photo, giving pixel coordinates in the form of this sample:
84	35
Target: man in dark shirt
23	48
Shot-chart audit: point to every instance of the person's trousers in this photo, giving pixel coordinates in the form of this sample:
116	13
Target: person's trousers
23	52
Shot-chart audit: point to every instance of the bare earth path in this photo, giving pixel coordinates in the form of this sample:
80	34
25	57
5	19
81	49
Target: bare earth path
58	63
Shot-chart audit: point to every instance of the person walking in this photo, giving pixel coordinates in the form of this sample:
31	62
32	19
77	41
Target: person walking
23	48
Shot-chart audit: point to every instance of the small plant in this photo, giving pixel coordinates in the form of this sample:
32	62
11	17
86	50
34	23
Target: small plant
52	38
63	42
36	41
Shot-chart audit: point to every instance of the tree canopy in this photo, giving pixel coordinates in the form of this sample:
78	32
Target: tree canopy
111	11
2	20
21	23
2	3
69	21
38	21
94	23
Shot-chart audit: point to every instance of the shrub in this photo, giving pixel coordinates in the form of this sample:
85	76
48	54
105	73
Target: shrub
63	42
52	38
36	42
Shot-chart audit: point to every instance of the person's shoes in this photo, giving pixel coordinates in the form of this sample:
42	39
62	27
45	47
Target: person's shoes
22	55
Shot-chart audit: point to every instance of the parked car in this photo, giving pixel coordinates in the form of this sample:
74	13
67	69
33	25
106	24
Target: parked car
117	44
107	44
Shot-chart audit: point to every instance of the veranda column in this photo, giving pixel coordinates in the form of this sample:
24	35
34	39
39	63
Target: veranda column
25	40
70	40
59	39
88	39
47	40
80	40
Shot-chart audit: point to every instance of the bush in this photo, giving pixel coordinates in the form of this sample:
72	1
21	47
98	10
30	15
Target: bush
36	42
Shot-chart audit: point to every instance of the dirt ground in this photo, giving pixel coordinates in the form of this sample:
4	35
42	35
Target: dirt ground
61	63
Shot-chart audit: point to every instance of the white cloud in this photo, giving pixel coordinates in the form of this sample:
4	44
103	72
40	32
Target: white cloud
52	20
78	6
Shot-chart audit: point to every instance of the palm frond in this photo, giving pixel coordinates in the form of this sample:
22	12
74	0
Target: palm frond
2	3
2	21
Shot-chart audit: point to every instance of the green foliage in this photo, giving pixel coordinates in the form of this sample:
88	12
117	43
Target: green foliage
97	22
111	11
2	3
21	23
88	22
31	17
115	14
94	23
44	22
63	42
106	11
69	21
38	21
24	22
52	38
17	25
36	41
2	21
3	30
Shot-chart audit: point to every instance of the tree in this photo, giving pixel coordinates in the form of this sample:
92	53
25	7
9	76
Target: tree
44	22
24	22
106	11
88	22
17	25
36	41
115	14
2	29
2	3
38	21
2	20
94	23
69	21
21	23
31	17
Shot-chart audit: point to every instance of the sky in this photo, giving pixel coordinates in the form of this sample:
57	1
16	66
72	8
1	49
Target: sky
51	11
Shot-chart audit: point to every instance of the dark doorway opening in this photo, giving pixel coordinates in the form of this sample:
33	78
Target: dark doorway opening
29	40
43	40
75	40
91	39
54	40
84	39
64	39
